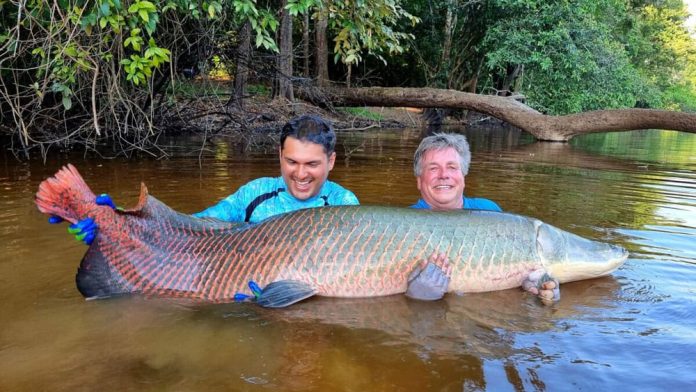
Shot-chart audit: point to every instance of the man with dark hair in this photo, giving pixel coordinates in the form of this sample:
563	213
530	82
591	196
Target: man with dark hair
307	156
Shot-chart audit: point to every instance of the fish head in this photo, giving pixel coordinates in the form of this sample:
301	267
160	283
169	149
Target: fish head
569	257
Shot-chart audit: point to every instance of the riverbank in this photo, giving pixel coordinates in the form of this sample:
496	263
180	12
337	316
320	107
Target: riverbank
204	112
203	115
261	114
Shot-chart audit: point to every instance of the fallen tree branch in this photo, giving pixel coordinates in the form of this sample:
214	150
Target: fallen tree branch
543	127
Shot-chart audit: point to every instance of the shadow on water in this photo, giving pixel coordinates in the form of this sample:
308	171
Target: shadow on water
457	324
467	330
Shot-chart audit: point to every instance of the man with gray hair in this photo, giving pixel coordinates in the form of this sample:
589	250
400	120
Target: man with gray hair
440	164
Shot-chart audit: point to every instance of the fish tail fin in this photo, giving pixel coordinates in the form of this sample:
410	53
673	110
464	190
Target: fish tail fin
97	278
65	195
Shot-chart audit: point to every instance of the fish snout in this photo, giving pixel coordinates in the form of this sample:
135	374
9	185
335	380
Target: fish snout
570	257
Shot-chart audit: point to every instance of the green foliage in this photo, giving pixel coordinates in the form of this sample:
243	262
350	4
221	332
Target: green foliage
659	43
360	26
573	55
367	26
103	60
191	89
430	61
570	60
681	97
362	112
263	22
258	89
134	24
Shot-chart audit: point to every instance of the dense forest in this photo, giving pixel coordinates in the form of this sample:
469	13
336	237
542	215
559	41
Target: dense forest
76	71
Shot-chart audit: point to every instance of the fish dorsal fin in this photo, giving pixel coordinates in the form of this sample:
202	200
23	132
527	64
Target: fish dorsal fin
149	207
142	201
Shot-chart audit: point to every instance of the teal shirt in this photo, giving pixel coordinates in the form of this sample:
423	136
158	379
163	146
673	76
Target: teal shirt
268	196
473	203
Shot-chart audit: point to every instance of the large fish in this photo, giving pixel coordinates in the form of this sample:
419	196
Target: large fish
347	251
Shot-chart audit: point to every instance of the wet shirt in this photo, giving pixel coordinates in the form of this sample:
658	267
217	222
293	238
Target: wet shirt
473	203
265	197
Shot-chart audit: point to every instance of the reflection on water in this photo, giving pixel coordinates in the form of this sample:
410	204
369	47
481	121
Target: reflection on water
635	327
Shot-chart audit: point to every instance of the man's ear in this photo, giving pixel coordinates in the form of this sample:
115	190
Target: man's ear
418	183
332	160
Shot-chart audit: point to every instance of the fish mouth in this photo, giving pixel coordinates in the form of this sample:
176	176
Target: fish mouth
569	257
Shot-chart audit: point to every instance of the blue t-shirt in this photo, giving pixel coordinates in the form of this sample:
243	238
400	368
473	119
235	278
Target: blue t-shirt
474	203
267	196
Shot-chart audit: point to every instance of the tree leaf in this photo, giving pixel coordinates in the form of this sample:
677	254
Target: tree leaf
67	102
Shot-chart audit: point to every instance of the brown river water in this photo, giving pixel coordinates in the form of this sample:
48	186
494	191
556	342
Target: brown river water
633	330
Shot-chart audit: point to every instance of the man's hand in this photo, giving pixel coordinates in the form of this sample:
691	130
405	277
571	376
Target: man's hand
85	230
543	286
429	281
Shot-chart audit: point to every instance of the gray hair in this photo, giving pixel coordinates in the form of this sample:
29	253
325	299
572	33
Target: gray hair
440	141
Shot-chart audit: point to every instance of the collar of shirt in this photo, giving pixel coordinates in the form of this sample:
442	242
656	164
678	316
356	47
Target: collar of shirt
423	205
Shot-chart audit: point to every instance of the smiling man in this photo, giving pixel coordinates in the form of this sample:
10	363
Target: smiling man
440	164
306	157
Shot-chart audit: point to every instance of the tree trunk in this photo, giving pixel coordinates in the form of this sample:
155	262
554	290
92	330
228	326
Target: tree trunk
519	79
285	56
513	72
305	45
243	59
447	45
322	52
543	127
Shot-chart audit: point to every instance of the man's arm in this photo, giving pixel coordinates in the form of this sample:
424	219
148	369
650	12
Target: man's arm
479	203
225	210
230	209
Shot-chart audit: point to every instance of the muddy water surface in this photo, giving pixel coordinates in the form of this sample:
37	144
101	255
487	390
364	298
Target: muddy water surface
634	329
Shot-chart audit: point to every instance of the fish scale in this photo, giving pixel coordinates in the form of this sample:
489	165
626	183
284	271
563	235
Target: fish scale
339	251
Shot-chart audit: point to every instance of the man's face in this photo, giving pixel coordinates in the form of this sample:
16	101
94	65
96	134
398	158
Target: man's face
304	167
441	182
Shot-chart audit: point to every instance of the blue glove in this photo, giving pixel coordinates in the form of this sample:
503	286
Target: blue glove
255	293
105	200
85	230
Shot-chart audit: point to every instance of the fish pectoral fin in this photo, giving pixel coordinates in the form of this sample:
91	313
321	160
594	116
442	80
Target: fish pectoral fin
284	293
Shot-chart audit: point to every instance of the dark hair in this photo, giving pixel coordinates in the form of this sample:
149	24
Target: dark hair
310	128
